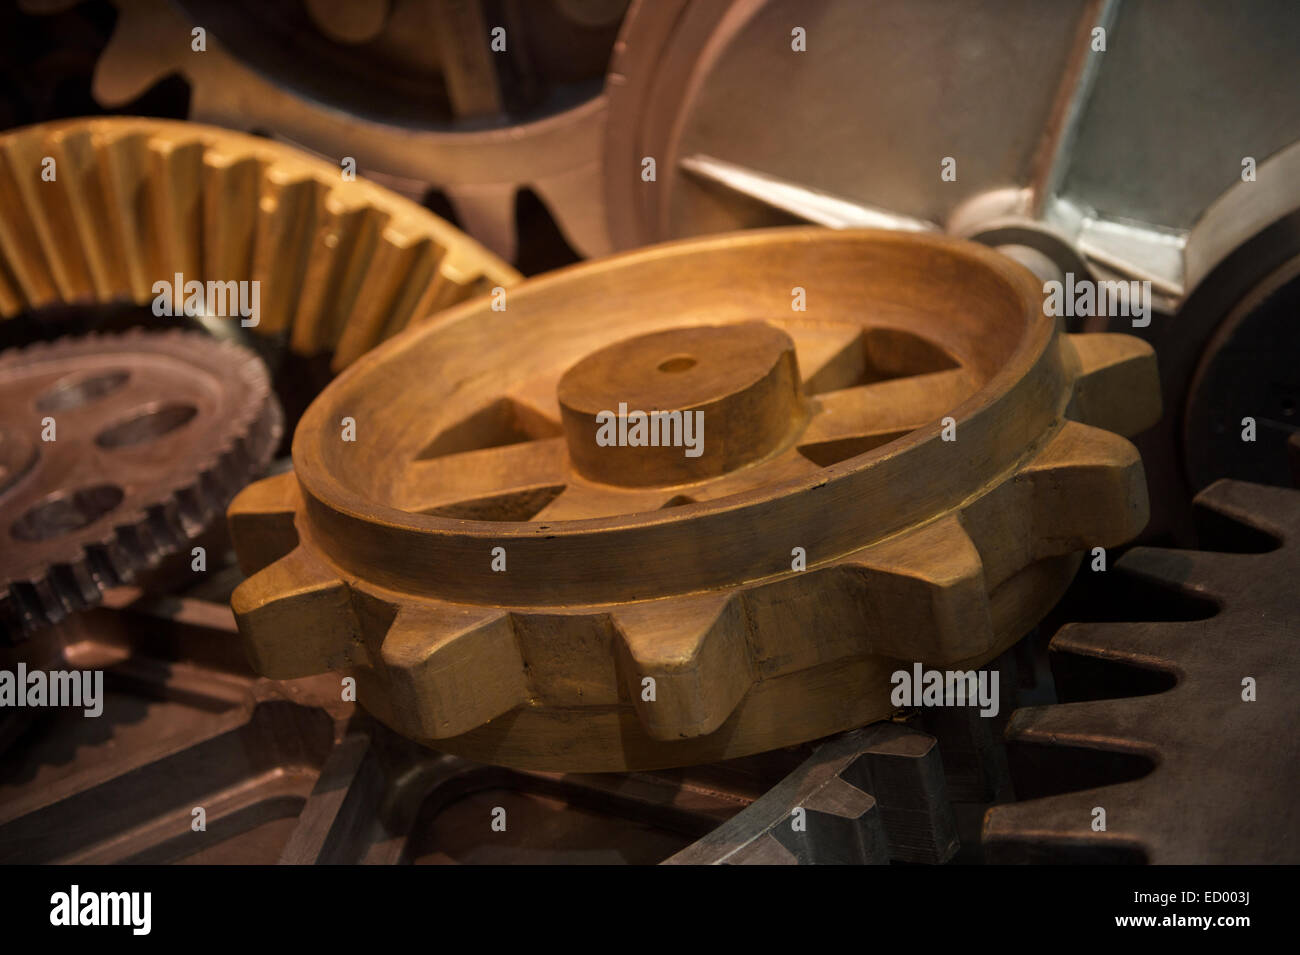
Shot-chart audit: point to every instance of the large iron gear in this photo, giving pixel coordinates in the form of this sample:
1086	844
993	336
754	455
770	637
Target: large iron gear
449	118
116	450
342	264
1175	769
825	443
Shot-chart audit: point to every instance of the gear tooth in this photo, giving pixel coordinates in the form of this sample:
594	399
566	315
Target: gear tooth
925	594
452	668
394	279
25	262
1197	573
297	619
1146	645
87	213
1123	725
1273	510
1054	827
697	652
346	234
1118	387
50	209
124	156
286	231
1087	489
261	520
232	192
176	190
133	59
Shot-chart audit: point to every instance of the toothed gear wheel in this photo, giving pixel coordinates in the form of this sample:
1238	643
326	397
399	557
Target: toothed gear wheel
504	585
116	450
455	110
342	265
1209	754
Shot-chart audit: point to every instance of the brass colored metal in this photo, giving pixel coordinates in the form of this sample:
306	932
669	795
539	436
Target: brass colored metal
342	264
929	442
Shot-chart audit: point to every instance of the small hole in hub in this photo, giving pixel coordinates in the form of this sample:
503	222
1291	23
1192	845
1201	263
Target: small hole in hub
680	363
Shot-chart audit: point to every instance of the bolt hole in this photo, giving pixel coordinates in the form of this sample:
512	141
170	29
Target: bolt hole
147	426
75	392
63	512
678	364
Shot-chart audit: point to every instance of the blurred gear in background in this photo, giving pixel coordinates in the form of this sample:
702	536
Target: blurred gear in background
145	439
412	89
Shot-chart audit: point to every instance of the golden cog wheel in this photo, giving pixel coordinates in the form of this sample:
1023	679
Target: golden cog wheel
100	210
902	458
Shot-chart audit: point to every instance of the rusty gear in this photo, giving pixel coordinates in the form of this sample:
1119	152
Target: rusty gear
116	450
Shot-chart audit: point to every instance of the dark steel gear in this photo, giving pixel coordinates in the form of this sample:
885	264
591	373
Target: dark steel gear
1198	773
116	450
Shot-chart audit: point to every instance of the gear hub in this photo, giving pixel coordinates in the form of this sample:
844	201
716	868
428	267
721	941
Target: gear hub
503	527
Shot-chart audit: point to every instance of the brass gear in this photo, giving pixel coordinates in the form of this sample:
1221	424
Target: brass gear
116	450
503	587
342	264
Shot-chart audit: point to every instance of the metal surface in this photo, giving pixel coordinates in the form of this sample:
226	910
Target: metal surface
412	89
1192	771
866	797
340	265
286	772
825	433
114	452
1029	110
1069	159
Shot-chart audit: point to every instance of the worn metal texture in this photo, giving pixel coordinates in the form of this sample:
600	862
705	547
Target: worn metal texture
116	450
287	772
416	91
1203	766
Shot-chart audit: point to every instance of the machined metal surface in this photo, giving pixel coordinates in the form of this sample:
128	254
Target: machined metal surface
723	80
506	587
339	264
116	450
287	772
472	115
1202	767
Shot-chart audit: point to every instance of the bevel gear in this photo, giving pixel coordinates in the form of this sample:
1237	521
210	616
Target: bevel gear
1208	763
133	202
116	450
504	586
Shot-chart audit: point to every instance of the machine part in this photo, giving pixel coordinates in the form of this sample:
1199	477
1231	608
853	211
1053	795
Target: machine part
1171	769
287	773
718	94
739	142
116	450
504	586
455	114
1230	351
338	265
866	797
